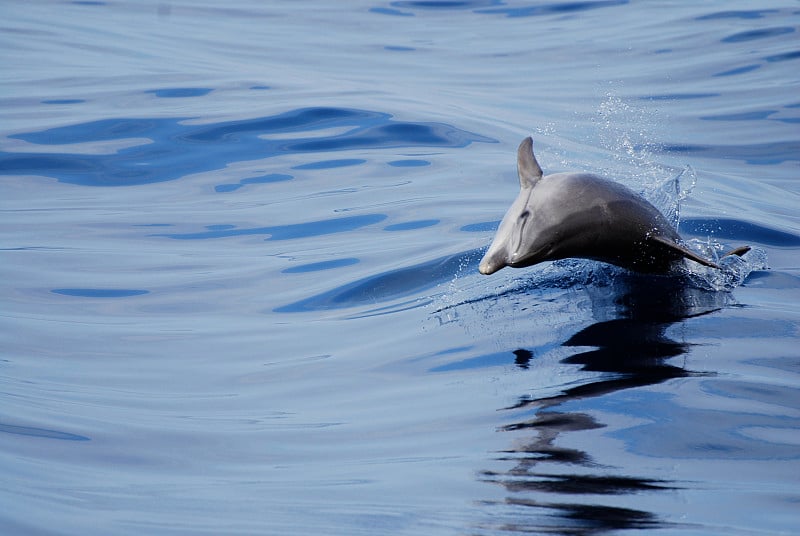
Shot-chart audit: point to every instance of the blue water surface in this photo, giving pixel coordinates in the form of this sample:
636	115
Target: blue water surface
239	269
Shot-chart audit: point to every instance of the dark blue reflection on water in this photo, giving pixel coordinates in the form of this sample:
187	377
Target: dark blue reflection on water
180	92
494	359
630	350
680	96
63	101
738	70
390	11
747	15
319	266
786	56
409	163
481	227
445	4
330	164
411	225
564	8
732	229
493	7
757	34
284	232
743	116
262	179
40	432
386	286
171	149
99	292
756	154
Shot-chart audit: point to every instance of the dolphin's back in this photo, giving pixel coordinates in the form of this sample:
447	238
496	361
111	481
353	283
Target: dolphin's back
596	218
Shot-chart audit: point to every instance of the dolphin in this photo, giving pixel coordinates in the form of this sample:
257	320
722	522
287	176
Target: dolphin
580	215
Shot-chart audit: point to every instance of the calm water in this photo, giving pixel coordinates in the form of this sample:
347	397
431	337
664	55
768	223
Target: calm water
239	269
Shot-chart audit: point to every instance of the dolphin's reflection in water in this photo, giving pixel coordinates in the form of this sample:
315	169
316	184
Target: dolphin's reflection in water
630	345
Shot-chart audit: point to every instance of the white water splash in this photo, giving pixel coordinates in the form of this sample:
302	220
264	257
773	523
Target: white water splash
624	131
733	271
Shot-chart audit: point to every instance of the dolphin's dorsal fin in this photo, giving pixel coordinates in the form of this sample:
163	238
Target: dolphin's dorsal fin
682	251
527	166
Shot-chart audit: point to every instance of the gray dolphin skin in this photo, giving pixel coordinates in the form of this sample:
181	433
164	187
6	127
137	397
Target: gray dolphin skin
566	215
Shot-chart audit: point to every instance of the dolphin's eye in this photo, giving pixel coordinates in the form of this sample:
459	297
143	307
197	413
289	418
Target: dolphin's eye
525	214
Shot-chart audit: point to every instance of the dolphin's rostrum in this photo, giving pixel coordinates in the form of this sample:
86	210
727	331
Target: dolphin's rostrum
584	216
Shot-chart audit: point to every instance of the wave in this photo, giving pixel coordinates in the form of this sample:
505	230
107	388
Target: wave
160	149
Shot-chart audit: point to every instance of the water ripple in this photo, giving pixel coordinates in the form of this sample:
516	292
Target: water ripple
407	8
262	179
445	4
283	232
99	292
732	229
386	286
756	154
180	92
319	266
40	432
331	164
168	149
745	15
757	34
411	225
554	8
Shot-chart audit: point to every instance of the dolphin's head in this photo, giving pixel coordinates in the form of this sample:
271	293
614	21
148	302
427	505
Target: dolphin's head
515	244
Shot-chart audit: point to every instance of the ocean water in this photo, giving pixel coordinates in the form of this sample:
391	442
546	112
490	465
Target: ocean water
239	269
